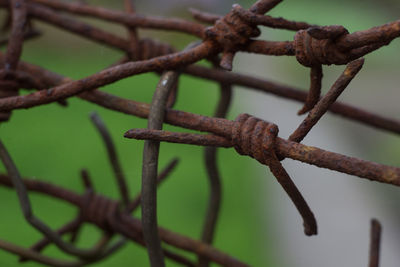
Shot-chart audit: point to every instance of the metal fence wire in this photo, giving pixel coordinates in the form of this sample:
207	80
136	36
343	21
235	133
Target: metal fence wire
221	37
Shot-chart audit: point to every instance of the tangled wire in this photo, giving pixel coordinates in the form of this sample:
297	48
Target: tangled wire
313	46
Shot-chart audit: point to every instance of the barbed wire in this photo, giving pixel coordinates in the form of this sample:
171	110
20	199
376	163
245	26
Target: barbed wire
313	46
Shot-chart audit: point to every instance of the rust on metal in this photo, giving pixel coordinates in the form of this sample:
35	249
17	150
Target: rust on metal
321	106
213	171
375	243
312	45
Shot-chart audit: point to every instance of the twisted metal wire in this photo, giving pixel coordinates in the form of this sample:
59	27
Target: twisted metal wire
313	46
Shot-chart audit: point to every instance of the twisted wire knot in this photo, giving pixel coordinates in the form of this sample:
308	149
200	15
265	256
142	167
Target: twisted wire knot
99	210
254	137
231	33
320	48
232	30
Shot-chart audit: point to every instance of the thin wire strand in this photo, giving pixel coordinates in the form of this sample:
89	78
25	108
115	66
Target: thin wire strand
149	171
112	156
165	173
23	198
213	173
375	243
325	102
27	210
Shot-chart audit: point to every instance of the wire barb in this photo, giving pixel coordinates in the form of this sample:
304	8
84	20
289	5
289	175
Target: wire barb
27	210
313	46
256	138
375	243
112	156
324	103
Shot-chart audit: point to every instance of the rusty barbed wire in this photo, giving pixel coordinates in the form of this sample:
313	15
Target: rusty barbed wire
213	172
125	224
112	154
150	165
313	46
375	243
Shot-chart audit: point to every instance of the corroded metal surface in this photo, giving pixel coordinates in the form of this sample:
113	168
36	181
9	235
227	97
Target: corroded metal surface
312	45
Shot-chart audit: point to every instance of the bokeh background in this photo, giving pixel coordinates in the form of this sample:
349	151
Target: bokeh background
258	224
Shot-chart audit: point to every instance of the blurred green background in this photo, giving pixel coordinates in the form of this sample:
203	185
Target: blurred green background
53	143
